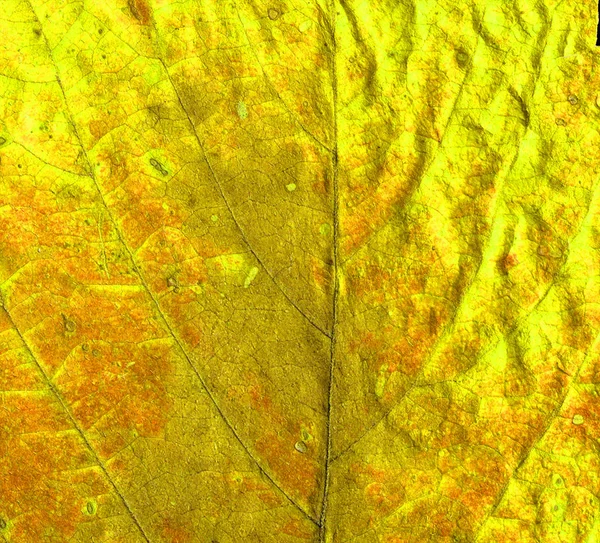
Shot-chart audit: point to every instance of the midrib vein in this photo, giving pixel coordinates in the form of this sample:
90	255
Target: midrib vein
230	210
334	167
178	342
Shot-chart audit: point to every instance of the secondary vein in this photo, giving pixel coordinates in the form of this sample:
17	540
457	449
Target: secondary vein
74	423
158	307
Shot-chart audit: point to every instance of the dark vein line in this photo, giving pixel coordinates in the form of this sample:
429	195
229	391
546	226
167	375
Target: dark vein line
455	314
154	300
415	186
245	239
230	209
213	398
456	311
41	369
26	149
74	422
555	412
191	364
511	331
272	87
334	165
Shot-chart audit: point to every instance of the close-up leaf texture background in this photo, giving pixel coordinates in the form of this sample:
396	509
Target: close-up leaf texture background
297	271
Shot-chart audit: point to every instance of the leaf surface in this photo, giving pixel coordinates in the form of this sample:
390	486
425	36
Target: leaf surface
284	272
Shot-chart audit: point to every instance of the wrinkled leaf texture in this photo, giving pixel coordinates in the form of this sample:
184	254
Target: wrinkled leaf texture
285	271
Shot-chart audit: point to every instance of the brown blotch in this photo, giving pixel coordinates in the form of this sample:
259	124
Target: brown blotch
173	283
41	451
297	472
129	377
177	530
98	129
321	273
434	321
383	498
296	529
265	493
140	10
261	401
506	263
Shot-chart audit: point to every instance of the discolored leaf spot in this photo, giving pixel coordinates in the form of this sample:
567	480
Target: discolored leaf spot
462	58
285	272
68	323
91	508
158	167
242	110
140	10
300	446
250	277
304	25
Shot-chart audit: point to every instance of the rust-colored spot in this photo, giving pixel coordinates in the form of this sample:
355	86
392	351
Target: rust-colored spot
127	376
265	493
176	530
98	128
321	273
384	498
41	448
298	472
140	10
296	529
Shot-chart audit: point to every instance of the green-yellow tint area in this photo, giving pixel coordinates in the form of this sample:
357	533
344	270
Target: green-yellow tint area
284	272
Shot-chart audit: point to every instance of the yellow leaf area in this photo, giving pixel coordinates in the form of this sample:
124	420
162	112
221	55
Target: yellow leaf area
277	271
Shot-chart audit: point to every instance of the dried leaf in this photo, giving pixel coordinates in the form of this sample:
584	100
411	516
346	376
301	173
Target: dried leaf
277	272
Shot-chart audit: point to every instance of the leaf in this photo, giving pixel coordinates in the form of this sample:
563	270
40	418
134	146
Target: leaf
277	272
